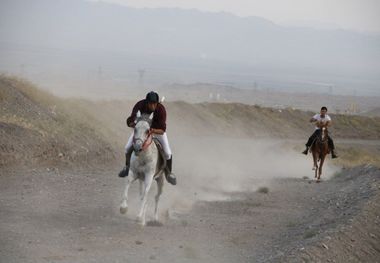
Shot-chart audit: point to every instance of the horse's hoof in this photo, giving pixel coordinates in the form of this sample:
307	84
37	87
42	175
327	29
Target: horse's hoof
154	223
318	181
140	222
123	210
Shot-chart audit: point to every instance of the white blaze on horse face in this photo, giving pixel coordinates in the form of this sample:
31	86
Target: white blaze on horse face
323	133
151	116
138	114
140	134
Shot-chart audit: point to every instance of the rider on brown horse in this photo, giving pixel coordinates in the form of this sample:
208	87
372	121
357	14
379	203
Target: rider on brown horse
320	120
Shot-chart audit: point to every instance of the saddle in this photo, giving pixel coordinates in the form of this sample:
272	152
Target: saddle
161	154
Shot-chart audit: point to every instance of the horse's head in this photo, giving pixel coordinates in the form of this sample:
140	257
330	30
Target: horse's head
142	131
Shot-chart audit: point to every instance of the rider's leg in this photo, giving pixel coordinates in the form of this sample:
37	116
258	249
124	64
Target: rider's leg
128	154
332	147
163	139
310	141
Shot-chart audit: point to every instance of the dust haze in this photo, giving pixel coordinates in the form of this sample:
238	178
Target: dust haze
210	168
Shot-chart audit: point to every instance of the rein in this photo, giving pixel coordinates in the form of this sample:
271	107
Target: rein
148	141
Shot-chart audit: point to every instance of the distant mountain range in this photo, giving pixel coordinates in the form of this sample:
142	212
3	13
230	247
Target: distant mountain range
189	36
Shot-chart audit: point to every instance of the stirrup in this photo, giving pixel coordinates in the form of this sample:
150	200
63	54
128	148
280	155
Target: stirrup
306	151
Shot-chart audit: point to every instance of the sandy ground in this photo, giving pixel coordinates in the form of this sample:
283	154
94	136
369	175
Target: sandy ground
73	216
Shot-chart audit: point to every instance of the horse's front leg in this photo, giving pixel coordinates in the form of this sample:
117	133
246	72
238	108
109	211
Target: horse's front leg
320	168
124	203
147	184
160	184
315	161
141	189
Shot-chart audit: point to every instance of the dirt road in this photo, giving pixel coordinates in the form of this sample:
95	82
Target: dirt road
73	216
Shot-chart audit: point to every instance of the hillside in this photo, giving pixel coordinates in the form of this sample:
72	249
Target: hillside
233	120
36	127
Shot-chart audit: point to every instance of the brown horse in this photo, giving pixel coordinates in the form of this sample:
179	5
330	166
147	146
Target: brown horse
320	149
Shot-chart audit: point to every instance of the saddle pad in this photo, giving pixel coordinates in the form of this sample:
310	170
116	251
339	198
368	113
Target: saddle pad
160	150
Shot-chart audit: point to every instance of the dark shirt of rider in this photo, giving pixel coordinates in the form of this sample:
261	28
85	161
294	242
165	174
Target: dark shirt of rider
159	116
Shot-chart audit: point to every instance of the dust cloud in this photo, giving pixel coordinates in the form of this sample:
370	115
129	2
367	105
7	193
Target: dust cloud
214	168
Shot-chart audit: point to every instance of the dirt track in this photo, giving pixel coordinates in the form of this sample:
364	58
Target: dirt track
73	216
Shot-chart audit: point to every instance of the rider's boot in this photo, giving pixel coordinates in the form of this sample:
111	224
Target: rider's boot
170	177
332	147
308	144
306	151
124	172
333	154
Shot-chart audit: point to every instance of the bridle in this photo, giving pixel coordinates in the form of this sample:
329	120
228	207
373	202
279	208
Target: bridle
145	143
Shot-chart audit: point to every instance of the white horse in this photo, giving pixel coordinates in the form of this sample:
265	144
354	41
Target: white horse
146	165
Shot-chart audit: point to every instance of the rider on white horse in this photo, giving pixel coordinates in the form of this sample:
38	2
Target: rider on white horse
151	104
324	120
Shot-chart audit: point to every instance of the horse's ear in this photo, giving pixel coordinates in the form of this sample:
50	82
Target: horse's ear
151	116
138	114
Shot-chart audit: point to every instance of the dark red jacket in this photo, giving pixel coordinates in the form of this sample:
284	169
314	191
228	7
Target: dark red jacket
159	116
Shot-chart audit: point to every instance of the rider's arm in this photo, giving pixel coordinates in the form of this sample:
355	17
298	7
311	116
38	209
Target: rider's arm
157	131
322	124
131	119
312	119
159	121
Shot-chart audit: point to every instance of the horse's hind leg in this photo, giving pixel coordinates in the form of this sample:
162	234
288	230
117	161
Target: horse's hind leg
316	171
124	203
160	184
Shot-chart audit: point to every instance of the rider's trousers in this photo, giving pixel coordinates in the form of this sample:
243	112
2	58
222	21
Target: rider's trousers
163	139
314	135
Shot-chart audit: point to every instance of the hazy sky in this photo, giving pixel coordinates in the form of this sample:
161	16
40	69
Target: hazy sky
363	15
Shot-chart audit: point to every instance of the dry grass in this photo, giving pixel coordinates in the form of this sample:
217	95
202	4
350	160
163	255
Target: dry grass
351	156
263	190
62	127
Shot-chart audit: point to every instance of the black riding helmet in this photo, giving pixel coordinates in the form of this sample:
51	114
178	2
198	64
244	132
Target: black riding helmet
152	97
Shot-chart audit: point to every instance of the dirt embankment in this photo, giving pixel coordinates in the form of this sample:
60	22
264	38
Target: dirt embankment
37	128
234	120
